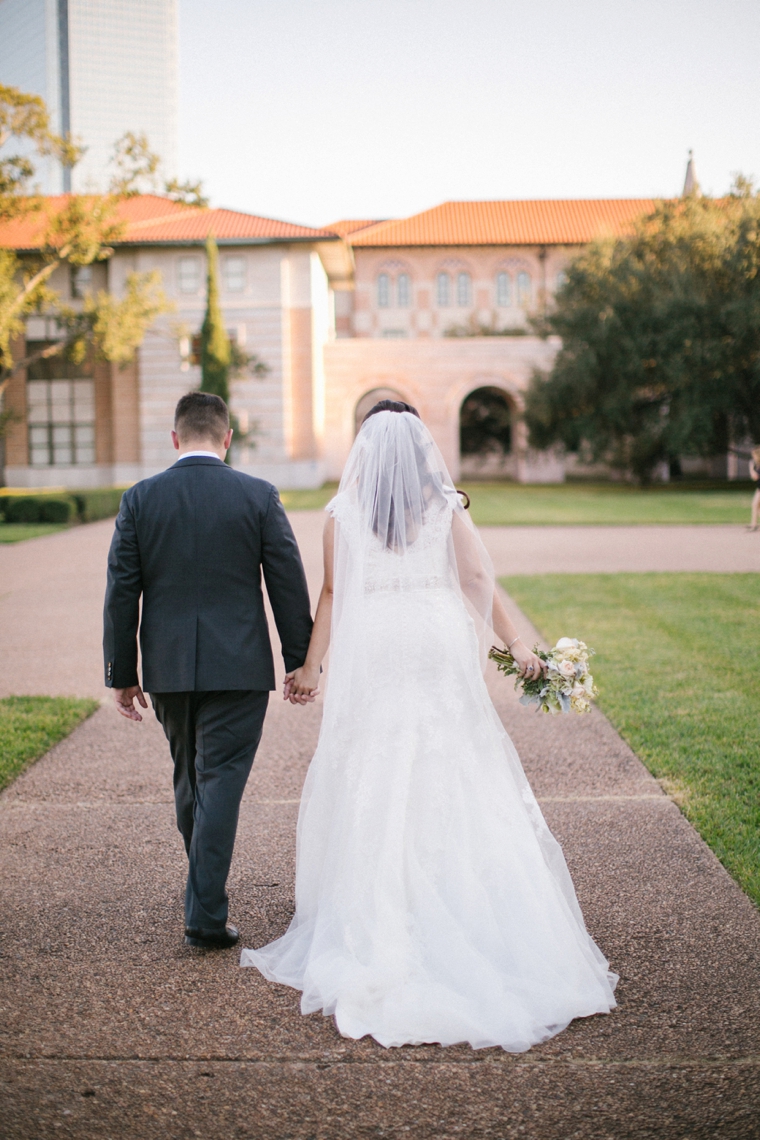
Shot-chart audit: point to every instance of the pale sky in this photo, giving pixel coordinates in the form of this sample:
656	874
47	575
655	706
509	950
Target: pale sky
314	110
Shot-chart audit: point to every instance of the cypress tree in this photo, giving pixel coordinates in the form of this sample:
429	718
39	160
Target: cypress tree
215	344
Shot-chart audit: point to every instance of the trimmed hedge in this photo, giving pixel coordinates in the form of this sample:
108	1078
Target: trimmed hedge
57	507
38	508
101	503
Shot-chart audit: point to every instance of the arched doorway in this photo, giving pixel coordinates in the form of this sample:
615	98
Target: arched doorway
370	399
485	435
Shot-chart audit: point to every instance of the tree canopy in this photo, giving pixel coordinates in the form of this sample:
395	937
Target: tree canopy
81	231
660	331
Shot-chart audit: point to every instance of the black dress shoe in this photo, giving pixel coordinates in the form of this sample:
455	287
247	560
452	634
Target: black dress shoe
212	939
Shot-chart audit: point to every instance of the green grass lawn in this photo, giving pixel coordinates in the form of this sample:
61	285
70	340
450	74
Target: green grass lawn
678	668
30	726
513	504
315	500
17	532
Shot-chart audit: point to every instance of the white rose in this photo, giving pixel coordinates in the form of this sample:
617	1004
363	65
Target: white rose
567	669
566	643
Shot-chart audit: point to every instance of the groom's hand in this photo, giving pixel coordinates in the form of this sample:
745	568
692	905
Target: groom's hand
125	701
301	688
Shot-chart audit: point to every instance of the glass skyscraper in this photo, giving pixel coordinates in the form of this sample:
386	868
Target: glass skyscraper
104	67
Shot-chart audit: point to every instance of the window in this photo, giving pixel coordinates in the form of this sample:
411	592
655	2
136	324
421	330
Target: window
523	289
383	291
442	289
503	290
61	416
234	274
188	274
404	290
81	280
463	289
561	278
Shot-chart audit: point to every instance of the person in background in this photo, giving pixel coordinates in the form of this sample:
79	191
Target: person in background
754	473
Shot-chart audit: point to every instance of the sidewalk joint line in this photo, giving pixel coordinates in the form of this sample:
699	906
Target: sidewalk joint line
506	1058
19	801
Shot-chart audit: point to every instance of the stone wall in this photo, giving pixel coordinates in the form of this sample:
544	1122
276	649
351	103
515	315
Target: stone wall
435	375
424	316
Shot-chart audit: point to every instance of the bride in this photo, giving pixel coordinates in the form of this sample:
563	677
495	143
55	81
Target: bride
432	902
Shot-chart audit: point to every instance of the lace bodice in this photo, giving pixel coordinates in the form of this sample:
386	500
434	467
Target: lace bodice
424	565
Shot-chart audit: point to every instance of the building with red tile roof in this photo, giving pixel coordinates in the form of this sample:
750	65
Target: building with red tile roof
149	219
519	223
435	309
99	424
348	226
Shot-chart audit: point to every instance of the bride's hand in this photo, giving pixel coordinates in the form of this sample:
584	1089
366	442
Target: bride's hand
531	666
301	686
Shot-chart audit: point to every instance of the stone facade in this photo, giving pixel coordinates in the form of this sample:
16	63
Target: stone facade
281	313
435	375
491	287
430	309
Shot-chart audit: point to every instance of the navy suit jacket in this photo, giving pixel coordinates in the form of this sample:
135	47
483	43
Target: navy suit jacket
192	542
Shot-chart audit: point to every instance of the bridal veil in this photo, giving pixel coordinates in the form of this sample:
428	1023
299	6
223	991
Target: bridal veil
432	902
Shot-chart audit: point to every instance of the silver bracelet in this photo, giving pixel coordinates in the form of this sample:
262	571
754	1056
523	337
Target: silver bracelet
512	643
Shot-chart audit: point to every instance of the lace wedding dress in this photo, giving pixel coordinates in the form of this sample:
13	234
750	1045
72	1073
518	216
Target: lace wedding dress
432	902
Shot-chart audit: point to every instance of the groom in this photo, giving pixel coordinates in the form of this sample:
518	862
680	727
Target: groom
193	542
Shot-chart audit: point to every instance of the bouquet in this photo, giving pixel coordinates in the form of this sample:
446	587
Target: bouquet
567	686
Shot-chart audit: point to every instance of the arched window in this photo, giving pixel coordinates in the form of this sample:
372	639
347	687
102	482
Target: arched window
463	289
561	278
485	423
503	290
404	290
442	289
383	291
523	289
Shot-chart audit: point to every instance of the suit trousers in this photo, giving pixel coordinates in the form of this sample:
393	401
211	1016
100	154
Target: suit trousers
213	737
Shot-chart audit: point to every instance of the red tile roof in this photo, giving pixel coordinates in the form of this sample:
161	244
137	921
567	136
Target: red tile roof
571	222
348	226
152	219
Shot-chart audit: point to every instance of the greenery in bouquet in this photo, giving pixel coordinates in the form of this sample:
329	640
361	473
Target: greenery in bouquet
566	684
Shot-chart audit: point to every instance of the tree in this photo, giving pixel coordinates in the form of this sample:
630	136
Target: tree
660	333
189	193
215	344
220	358
79	232
137	172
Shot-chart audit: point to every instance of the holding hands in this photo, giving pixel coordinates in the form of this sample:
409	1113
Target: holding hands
302	685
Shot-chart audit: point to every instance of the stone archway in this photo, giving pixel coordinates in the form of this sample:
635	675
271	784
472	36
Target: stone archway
370	399
487	435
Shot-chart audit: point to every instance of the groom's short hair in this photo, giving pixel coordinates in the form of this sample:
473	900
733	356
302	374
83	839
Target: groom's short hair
201	415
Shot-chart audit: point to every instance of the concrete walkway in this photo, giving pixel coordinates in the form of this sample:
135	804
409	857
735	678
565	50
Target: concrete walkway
111	1028
611	549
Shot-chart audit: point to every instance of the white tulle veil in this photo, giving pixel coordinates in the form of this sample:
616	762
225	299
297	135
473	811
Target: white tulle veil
432	902
395	510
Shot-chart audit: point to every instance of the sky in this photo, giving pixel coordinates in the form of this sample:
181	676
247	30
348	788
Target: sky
315	110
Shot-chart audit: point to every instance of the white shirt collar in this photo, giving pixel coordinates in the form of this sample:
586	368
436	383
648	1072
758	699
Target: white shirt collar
208	454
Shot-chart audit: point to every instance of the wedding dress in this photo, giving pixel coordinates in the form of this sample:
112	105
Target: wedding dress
432	902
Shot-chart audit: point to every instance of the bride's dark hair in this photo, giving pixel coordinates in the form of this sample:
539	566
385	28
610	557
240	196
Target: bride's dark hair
391	406
400	406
